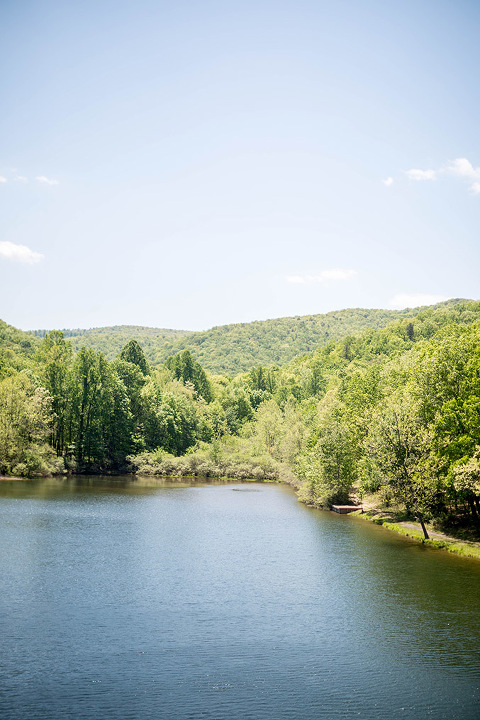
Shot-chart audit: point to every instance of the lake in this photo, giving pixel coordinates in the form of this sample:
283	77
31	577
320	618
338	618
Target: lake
136	599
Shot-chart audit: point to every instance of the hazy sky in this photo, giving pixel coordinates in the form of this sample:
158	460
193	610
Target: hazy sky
189	164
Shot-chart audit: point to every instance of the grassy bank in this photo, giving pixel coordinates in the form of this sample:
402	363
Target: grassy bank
439	540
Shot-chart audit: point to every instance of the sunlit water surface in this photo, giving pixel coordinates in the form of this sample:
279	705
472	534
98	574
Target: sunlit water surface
131	599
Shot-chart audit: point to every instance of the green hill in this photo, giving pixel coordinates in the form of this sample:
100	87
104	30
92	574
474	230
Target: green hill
16	347
110	340
235	348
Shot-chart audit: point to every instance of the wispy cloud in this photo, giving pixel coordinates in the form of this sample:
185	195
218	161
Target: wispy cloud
324	276
405	300
460	168
46	180
19	253
14	174
419	175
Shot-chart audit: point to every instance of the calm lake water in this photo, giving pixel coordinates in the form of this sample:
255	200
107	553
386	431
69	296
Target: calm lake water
130	599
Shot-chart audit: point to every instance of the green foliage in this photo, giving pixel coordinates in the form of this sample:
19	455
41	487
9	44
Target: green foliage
328	466
16	340
133	353
185	368
450	391
392	409
55	357
176	424
238	348
229	458
24	429
399	447
16	350
111	340
99	417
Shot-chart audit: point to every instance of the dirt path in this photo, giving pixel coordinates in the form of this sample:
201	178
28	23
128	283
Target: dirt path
432	533
435	535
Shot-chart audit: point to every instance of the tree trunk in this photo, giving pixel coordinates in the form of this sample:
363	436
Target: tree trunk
473	508
425	533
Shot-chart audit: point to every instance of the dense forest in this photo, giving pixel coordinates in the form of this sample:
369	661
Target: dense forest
393	411
230	349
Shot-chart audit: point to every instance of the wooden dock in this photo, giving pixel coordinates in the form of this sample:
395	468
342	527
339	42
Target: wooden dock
344	509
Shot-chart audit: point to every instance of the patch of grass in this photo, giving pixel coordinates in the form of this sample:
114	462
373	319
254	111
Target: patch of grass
459	547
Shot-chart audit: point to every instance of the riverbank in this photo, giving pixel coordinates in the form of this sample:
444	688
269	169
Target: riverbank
412	530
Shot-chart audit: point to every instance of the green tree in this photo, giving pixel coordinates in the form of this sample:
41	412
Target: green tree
399	450
55	356
327	465
134	381
185	368
466	480
133	353
100	417
177	424
25	415
149	432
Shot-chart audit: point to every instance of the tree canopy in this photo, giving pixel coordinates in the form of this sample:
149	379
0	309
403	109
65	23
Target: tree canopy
393	411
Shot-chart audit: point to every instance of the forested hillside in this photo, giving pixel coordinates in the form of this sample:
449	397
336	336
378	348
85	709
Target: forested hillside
393	411
110	340
237	348
15	348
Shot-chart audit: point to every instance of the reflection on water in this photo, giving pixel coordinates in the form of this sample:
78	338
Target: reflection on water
143	598
78	484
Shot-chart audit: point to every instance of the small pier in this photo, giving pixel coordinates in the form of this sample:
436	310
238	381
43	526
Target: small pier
344	509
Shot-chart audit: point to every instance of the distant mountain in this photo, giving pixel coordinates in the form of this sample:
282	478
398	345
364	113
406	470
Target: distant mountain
231	349
111	340
237	348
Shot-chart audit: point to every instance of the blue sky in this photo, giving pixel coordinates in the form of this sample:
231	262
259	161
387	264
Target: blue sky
190	164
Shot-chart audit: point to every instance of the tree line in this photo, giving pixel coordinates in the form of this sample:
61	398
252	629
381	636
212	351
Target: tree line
393	412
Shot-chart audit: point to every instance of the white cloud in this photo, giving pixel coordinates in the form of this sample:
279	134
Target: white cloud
16	177
46	180
459	168
421	174
19	253
401	301
463	168
322	277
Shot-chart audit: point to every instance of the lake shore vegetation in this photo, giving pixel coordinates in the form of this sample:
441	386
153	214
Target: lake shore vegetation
391	411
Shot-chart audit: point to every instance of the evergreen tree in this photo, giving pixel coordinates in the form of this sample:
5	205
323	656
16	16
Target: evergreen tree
133	353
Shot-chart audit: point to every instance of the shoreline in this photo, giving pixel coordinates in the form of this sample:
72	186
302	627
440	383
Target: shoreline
438	540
